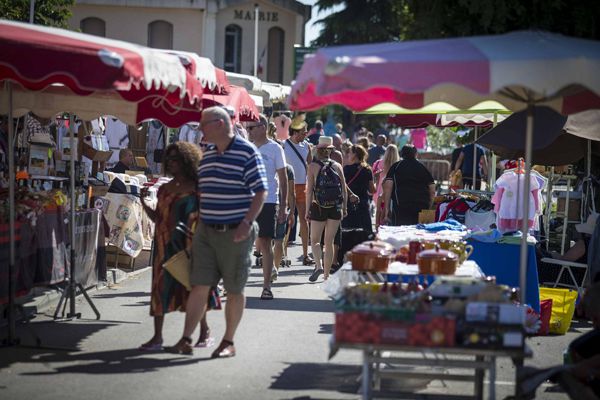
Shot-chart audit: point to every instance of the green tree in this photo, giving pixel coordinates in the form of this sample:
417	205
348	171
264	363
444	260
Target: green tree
451	18
361	21
388	20
47	12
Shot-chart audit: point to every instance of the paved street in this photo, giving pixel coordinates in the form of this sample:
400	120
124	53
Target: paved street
282	352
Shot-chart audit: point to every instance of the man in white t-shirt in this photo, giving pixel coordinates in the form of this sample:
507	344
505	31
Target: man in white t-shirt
272	212
298	154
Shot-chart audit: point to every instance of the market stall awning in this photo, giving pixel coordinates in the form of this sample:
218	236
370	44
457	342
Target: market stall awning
278	93
213	79
514	69
36	57
553	143
238	98
57	99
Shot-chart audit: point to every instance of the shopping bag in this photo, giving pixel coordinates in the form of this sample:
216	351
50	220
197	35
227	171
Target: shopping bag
545	315
563	307
179	267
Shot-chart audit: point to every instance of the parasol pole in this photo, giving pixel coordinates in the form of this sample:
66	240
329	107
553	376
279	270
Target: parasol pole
526	190
11	339
494	157
72	216
475	161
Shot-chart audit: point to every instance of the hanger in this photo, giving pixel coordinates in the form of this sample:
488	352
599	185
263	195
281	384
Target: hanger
520	166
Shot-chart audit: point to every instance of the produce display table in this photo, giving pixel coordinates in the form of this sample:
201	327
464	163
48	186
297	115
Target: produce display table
473	360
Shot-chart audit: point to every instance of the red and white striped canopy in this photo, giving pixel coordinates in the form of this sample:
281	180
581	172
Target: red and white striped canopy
212	79
239	99
514	69
138	83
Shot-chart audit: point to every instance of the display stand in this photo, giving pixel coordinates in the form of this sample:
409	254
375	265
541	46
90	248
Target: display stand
70	291
479	361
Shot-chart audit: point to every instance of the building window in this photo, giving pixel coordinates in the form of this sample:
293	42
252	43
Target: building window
233	48
160	35
93	26
275	55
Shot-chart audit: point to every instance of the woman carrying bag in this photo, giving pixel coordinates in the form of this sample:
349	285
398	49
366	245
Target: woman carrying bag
175	216
359	179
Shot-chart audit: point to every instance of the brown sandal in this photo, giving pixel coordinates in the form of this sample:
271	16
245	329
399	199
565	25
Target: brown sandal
184	346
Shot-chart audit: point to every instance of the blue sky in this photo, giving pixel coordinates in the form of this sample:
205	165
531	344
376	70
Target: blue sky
312	30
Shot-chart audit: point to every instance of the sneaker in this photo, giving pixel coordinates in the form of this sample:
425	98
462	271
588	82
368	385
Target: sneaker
315	275
274	274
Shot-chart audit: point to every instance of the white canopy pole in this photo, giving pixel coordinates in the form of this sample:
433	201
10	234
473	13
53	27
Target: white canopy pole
256	39
525	218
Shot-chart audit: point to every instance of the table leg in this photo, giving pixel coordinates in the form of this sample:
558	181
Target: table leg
366	375
518	363
479	375
492	389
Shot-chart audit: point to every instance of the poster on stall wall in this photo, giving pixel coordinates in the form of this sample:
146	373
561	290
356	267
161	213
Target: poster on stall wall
65	149
38	160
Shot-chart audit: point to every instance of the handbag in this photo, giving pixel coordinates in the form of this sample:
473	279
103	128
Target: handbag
159	153
179	267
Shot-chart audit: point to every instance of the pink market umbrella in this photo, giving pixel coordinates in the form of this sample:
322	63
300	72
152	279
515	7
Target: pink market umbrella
72	67
518	69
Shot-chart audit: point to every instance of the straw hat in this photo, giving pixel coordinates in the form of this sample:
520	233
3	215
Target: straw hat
589	225
325	142
298	122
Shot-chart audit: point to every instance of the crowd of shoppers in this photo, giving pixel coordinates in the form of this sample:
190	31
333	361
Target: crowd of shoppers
252	190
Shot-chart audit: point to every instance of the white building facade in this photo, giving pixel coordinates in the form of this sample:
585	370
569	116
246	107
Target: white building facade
222	30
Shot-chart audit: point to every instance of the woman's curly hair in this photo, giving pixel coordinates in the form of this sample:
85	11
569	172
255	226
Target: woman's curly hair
189	156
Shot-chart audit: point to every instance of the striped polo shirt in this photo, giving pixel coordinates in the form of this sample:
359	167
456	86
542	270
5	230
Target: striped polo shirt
227	182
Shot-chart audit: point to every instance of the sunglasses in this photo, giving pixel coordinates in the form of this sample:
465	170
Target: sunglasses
250	127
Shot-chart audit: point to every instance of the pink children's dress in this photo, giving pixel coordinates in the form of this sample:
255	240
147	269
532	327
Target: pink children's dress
508	201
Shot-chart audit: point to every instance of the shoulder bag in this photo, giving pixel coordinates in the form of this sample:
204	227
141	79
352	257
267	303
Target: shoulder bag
297	153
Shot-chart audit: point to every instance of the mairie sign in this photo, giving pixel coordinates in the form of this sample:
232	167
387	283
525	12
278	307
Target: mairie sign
266	16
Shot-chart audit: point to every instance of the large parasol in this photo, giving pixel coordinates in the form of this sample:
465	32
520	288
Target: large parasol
519	70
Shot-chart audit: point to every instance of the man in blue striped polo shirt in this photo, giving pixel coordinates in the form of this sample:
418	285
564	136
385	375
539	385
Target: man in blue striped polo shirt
232	187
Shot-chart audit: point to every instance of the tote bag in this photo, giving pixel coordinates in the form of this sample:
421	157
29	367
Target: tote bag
563	307
179	267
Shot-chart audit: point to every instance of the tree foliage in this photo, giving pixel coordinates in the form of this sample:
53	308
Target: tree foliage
388	20
361	21
47	12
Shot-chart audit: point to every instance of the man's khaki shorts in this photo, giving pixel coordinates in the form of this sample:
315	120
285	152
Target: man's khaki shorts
216	256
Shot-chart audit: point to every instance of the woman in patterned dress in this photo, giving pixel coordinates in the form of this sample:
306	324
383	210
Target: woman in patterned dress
174	217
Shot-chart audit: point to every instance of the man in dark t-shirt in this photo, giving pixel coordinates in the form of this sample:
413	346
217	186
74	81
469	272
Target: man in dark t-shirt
465	164
409	187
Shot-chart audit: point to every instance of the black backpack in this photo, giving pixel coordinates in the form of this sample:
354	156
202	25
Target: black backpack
328	186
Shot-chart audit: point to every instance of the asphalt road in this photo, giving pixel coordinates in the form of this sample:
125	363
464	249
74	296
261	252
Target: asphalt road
282	352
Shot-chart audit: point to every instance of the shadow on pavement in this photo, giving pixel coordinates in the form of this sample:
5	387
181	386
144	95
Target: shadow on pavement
121	294
326	329
67	335
313	376
287	304
111	362
138	304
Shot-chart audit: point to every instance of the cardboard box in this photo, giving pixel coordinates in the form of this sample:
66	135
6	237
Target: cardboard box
93	154
426	216
141	162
